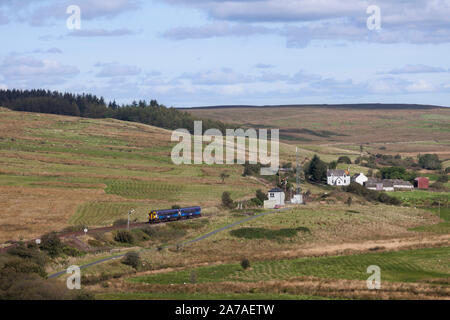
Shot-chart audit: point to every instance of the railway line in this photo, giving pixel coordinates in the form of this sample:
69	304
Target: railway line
90	231
185	243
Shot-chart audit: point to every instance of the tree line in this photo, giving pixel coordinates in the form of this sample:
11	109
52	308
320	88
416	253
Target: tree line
91	106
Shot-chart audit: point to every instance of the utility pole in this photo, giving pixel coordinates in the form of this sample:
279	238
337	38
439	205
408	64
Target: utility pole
129	214
298	172
439	209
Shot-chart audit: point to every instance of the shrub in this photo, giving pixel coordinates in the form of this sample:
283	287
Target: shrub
132	259
140	235
443	178
430	162
261	195
344	159
349	201
257	202
52	244
227	202
175	206
32	254
245	263
371	195
439	186
21	266
124	236
332	165
73	252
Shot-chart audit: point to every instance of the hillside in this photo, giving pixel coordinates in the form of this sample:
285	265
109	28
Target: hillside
404	129
60	170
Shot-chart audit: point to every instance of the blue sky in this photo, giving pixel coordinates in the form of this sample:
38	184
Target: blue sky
212	52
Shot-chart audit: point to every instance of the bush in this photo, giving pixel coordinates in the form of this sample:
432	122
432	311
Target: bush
21	266
332	165
344	159
443	178
261	195
73	252
371	195
257	202
430	162
52	244
32	254
124	236
132	259
227	202
439	186
245	263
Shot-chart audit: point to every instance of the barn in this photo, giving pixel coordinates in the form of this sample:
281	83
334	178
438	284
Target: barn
421	183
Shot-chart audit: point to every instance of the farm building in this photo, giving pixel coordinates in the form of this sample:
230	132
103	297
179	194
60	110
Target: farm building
338	177
359	178
388	185
276	198
421	183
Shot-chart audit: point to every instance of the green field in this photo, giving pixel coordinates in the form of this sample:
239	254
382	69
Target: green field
200	296
401	266
443	227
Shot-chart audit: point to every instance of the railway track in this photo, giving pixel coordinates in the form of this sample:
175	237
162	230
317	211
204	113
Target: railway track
90	231
185	243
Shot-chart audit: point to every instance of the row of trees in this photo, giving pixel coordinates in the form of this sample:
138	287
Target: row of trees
91	106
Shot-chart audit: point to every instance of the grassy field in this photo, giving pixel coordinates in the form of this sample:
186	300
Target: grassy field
401	266
86	171
443	227
208	296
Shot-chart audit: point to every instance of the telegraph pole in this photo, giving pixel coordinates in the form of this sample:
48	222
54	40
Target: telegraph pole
298	172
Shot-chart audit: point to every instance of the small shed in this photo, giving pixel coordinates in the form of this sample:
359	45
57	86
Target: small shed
360	178
421	183
276	198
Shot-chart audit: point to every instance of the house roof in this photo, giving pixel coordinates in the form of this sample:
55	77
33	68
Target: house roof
335	172
276	190
399	182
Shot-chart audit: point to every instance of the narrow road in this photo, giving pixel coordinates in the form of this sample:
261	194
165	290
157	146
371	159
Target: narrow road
58	274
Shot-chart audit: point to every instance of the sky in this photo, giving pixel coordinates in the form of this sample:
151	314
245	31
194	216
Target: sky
188	53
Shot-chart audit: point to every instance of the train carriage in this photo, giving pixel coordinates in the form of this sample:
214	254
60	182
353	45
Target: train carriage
156	216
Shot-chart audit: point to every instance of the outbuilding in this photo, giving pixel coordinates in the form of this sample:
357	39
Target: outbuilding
421	183
276	198
360	178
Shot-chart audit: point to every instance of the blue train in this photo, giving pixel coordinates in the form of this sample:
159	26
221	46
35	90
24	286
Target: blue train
156	216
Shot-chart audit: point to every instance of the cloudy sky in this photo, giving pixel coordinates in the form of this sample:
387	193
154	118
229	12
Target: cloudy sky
212	52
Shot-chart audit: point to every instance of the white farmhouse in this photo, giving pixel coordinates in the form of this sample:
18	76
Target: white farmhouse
338	177
360	178
276	198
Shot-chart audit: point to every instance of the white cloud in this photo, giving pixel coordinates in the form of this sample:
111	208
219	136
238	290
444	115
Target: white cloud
417	68
116	70
21	70
100	33
421	86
